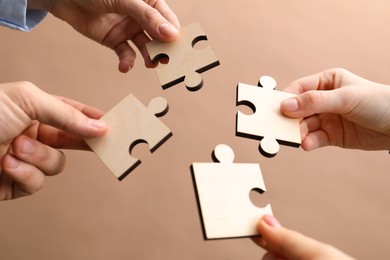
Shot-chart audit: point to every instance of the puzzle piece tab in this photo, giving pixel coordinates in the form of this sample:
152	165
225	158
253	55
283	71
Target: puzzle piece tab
185	62
267	123
130	123
223	194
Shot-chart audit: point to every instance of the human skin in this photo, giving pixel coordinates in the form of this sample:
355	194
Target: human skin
34	125
339	108
285	244
115	22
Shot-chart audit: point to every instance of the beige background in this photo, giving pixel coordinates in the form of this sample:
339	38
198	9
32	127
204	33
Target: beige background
334	195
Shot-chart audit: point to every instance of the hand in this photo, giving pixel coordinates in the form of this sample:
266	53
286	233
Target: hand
114	22
285	244
340	109
32	125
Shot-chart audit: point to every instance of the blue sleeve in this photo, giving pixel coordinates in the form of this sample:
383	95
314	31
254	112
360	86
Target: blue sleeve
14	14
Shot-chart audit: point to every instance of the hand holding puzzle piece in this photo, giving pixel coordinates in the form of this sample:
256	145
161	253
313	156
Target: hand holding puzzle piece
185	62
267	123
223	194
130	123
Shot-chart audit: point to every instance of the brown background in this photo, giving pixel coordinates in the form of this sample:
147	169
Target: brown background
334	195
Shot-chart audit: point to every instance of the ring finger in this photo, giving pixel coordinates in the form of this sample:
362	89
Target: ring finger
49	160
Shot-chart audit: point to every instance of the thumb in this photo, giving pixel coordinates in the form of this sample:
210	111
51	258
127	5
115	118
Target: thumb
283	242
289	244
313	102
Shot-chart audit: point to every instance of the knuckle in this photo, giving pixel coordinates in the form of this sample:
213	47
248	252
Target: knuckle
311	98
336	70
58	165
340	71
151	2
26	85
16	90
151	14
52	162
333	78
32	182
25	94
23	87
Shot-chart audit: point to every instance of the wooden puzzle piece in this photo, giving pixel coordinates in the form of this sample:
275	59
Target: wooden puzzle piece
267	123
223	194
130	124
185	62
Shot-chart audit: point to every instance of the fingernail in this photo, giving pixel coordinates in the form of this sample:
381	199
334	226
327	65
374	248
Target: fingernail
168	30
12	162
290	104
271	221
97	123
27	147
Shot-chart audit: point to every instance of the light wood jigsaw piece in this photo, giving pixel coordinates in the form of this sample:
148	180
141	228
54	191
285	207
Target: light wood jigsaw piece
130	123
267	123
223	194
185	62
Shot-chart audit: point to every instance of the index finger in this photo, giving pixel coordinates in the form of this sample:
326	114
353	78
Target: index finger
325	80
155	17
89	111
38	105
167	12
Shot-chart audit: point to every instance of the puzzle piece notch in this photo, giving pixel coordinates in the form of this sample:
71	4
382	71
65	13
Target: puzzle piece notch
185	63
130	123
158	106
267	123
269	146
223	191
